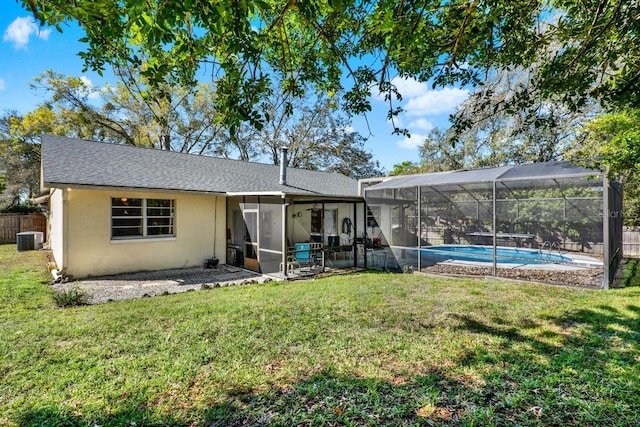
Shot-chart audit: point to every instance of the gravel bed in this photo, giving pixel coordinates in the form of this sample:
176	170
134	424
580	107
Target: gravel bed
146	284
586	278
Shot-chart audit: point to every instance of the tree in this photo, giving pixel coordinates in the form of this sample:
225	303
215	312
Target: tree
405	168
20	148
510	120
316	135
440	152
612	144
315	42
19	164
177	118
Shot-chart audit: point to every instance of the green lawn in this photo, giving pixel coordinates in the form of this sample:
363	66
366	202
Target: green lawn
363	349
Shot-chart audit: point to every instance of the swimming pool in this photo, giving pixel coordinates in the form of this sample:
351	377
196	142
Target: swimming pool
505	255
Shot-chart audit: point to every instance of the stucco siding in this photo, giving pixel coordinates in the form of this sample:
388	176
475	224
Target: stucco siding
92	252
299	229
55	222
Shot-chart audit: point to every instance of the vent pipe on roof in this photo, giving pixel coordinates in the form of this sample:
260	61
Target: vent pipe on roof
283	165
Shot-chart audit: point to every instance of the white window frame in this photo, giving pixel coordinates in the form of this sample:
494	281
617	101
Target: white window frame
331	221
145	218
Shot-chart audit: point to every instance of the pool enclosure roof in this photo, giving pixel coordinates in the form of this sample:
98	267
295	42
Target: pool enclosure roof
526	172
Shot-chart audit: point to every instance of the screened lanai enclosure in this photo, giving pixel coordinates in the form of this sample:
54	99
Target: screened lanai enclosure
289	237
552	222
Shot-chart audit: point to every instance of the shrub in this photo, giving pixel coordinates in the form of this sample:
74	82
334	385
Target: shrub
407	269
71	297
26	208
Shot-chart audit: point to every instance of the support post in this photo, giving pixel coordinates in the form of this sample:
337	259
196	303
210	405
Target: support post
495	233
284	239
355	235
419	230
606	241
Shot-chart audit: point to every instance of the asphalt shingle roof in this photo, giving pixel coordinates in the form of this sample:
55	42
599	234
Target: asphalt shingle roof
72	162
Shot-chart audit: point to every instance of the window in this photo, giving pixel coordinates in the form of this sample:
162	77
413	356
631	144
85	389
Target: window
316	221
330	221
131	218
373	212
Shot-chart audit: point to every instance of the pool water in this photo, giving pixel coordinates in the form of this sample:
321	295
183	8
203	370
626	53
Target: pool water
485	254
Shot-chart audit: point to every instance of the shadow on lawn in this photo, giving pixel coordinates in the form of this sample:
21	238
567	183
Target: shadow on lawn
582	371
59	417
323	399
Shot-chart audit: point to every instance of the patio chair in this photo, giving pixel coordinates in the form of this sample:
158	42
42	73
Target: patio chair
303	254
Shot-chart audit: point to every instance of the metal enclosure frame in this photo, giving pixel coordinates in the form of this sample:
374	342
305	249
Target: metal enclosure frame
569	215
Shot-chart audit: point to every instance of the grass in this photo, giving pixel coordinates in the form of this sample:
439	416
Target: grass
631	273
365	349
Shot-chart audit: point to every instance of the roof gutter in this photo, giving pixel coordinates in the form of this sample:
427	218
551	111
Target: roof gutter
256	193
63	185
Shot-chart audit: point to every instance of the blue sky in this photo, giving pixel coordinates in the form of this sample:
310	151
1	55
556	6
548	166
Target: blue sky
27	51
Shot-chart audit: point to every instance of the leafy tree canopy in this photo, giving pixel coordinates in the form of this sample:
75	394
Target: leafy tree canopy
19	164
317	135
594	53
406	168
612	144
25	208
182	119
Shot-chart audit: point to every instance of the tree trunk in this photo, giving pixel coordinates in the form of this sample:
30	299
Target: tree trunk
166	142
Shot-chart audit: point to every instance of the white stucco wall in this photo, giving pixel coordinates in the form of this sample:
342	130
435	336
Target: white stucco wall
55	223
299	221
91	252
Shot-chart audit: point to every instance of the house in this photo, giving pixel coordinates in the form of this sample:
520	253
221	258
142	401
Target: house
116	208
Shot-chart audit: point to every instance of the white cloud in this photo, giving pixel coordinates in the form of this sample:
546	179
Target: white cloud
19	31
421	123
409	88
422	104
411	143
2	86
94	93
87	81
434	102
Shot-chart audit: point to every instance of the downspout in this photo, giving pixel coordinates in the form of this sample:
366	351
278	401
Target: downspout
284	238
215	224
65	230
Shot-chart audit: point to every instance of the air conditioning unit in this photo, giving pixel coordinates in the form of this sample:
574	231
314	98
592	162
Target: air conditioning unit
29	240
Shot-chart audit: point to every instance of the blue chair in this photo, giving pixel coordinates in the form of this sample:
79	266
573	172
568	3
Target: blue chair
303	255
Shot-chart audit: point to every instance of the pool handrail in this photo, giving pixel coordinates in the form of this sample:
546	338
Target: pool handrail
545	243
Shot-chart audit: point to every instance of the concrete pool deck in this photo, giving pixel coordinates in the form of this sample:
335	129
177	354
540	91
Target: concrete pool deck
579	263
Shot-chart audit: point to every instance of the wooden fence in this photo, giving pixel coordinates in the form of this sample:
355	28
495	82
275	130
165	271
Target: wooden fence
631	242
12	224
